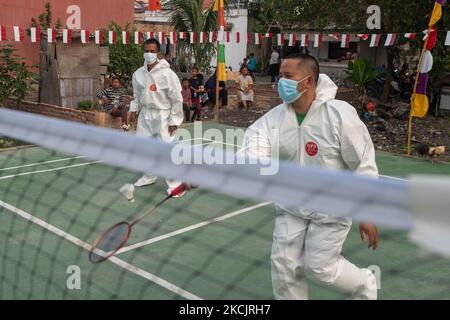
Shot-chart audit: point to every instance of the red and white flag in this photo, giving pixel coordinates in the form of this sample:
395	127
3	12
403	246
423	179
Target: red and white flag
161	37
67	36
51	35
447	39
173	37
249	36
268	35
228	37
150	35
335	36
292	40
212	37
98	37
19	34
410	35
192	37
183	36
35	34
345	41
390	39
112	37
2	33
125	37
318	40
363	36
375	40
138	37
304	40
258	39
280	39
238	37
202	37
84	36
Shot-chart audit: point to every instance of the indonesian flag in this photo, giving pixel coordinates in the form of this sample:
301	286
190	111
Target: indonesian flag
98	37
291	40
268	35
212	37
84	36
318	40
410	35
173	37
183	35
363	36
374	40
280	39
112	37
390	39
192	37
137	37
228	37
150	35
51	35
125	37
238	37
335	36
304	40
35	34
19	34
203	37
67	36
248	37
2	33
447	39
345	41
258	39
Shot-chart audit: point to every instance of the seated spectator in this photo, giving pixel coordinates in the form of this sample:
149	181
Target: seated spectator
244	85
252	65
114	102
210	87
187	99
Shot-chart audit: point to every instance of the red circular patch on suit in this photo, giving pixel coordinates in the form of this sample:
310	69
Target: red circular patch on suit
153	87
311	148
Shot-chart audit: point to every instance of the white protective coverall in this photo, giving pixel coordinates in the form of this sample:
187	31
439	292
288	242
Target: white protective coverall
158	100
307	243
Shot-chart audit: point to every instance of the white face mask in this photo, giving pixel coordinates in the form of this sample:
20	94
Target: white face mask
150	57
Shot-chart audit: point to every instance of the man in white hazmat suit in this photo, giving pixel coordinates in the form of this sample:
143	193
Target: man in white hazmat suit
158	100
312	128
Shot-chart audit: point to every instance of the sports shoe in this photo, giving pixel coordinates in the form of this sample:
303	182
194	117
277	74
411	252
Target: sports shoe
370	290
128	191
125	127
145	181
169	191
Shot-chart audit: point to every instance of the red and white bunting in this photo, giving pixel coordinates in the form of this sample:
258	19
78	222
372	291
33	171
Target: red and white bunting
173	37
375	40
51	35
138	37
228	37
161	37
410	35
390	39
125	37
334	36
318	40
19	34
292	40
268	35
238	37
2	33
202	37
447	39
67	36
35	34
258	39
212	37
345	41
192	37
280	39
112	37
98	37
84	36
304	40
363	36
150	35
248	37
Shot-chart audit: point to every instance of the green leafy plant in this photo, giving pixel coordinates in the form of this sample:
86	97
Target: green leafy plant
360	73
85	105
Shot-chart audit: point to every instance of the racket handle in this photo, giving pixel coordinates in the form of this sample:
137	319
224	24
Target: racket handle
181	188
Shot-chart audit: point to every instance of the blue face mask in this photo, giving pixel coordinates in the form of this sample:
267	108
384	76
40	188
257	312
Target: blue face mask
287	90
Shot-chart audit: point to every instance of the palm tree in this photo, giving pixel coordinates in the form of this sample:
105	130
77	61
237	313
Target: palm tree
192	16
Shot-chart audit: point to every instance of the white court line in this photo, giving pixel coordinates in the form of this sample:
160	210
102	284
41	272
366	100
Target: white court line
48	170
125	265
392	178
193	227
39	163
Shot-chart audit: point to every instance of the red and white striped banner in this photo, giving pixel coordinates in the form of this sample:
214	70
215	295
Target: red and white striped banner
447	39
268	35
292	40
390	39
258	39
334	36
228	37
182	36
363	36
35	34
51	35
202	37
67	36
138	37
161	37
2	33
84	35
192	37
19	34
304	40
112	37
375	40
173	37
125	37
212	37
238	37
249	36
410	35
318	40
280	39
98	37
345	41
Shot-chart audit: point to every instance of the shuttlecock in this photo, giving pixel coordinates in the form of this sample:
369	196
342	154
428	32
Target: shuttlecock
128	191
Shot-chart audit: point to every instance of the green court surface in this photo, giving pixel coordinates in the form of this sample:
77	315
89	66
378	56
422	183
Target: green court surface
179	251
